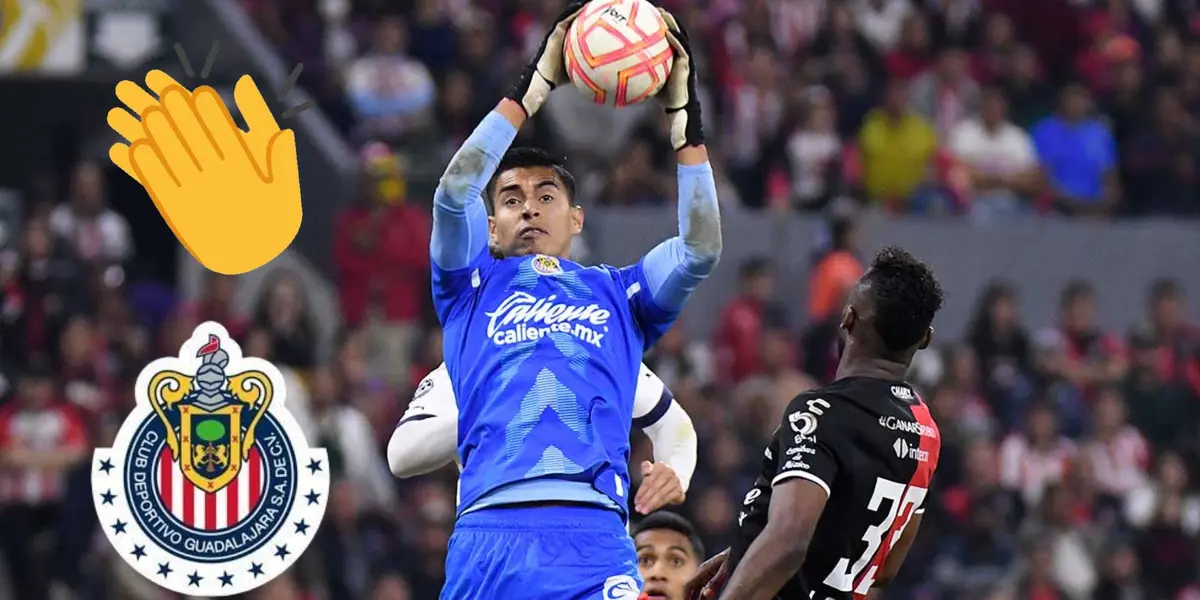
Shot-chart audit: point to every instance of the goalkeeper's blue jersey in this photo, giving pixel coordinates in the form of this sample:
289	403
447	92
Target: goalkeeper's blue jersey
544	354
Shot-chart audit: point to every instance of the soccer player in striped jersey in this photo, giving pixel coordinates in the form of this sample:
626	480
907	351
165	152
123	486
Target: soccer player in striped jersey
844	481
426	437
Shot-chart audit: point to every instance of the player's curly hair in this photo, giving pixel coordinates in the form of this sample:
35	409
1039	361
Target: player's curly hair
906	297
527	157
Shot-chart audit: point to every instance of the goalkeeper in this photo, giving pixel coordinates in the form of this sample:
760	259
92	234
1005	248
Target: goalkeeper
544	353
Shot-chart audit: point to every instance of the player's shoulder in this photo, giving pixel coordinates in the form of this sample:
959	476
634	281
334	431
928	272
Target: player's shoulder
862	400
606	271
623	274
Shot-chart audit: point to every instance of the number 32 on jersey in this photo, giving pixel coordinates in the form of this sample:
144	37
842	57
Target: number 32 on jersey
903	502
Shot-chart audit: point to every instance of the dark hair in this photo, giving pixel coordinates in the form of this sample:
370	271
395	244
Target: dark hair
1075	291
994	91
524	158
996	290
1165	289
840	230
668	520
906	296
755	266
1043	405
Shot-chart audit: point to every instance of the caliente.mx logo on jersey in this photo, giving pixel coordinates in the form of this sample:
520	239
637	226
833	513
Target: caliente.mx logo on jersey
523	317
209	488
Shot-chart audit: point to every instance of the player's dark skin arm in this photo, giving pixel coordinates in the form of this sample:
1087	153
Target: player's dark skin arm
778	552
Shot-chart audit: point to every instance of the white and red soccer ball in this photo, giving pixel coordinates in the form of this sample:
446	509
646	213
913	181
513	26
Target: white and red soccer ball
617	53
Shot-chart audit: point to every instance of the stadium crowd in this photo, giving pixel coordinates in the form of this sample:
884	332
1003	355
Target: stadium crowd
983	108
1070	454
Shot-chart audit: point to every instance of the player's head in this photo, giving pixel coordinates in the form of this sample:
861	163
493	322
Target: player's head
891	309
669	552
532	203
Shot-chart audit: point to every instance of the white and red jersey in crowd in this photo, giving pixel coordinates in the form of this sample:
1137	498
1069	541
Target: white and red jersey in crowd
1119	464
1028	470
54	428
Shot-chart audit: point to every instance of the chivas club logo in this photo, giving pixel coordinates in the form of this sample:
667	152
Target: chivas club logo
209	488
546	265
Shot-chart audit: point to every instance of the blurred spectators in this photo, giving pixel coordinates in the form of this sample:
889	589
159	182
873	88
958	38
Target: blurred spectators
283	313
390	91
739	334
773	72
898	146
381	250
999	159
1079	155
96	233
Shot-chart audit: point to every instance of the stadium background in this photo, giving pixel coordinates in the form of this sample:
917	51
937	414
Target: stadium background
1066	381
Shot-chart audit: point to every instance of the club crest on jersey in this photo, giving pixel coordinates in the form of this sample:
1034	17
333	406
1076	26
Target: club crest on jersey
422	389
546	265
209	488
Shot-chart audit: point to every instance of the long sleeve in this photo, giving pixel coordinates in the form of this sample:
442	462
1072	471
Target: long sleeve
675	267
668	426
421	445
460	231
674	439
426	438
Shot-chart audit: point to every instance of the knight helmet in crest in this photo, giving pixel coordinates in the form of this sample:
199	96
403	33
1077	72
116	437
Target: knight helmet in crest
210	417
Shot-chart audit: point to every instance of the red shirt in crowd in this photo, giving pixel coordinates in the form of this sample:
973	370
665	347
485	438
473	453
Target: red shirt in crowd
1092	346
739	335
1178	361
906	65
382	258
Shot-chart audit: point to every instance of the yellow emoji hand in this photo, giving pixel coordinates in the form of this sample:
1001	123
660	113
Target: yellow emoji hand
232	197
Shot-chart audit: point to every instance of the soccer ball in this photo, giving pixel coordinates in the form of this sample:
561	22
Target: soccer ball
617	52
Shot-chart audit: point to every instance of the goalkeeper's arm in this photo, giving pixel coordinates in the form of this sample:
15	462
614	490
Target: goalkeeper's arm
675	267
460	230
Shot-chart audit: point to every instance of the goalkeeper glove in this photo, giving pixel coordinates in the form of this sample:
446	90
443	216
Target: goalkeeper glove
545	70
679	94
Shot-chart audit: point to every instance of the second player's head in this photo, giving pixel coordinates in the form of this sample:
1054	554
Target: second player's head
669	553
532	203
890	311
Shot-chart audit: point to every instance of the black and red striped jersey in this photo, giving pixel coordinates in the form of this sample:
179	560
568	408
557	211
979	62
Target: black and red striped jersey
872	446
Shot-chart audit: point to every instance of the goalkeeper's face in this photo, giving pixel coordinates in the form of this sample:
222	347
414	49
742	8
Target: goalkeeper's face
533	213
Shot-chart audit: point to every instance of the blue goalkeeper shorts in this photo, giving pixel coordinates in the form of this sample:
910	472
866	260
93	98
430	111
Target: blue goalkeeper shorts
554	552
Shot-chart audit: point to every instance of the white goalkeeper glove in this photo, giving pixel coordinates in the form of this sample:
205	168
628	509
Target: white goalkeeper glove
546	70
679	95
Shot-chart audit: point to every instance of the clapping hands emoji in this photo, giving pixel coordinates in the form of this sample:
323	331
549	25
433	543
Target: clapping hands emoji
232	197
